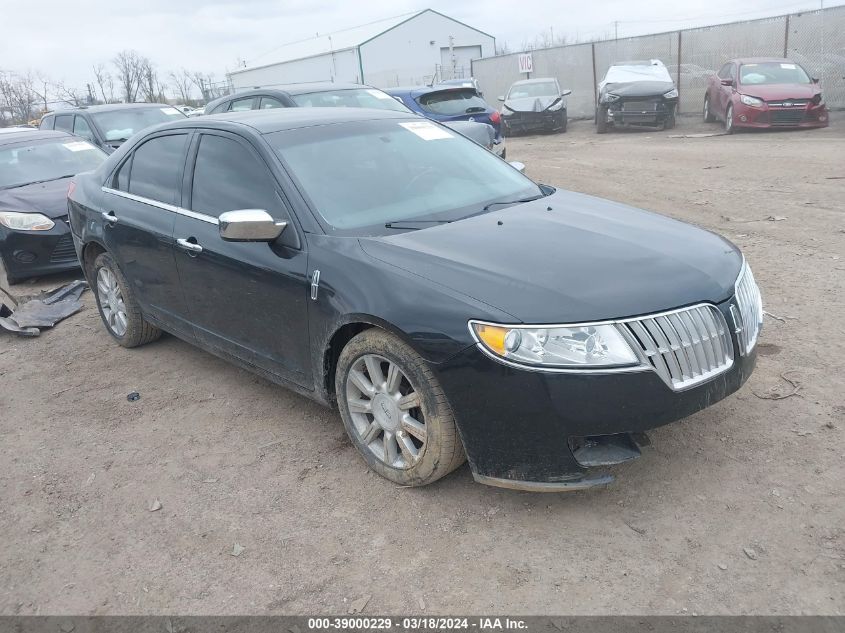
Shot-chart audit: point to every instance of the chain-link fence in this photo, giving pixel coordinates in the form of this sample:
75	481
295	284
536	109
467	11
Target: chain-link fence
815	39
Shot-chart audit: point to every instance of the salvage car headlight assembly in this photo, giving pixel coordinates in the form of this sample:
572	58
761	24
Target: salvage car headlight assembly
556	106
754	102
574	347
610	97
25	221
672	94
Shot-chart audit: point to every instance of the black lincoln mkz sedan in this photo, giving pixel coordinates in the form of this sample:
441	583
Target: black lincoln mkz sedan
446	303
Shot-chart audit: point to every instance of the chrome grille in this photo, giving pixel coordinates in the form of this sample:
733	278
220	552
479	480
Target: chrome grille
748	312
685	347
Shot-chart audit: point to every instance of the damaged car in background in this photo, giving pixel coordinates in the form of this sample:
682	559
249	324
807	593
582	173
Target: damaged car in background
446	304
535	105
637	94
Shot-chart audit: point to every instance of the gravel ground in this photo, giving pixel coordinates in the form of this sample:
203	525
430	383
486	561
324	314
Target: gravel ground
737	509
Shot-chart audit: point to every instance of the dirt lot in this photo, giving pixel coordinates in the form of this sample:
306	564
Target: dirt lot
738	509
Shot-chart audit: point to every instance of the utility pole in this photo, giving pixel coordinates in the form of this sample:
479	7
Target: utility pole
616	29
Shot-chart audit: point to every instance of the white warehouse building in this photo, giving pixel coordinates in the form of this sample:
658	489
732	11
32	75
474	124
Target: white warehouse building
406	50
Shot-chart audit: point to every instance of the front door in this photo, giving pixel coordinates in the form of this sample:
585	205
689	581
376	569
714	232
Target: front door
138	227
247	299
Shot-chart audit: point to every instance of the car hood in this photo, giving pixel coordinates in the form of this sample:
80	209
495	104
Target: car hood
49	198
781	91
530	104
640	88
586	259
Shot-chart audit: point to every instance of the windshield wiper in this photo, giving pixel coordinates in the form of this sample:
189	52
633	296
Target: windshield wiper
521	201
396	224
38	182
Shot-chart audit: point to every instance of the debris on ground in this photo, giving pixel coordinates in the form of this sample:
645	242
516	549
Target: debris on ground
25	319
155	506
723	567
773	392
237	549
132	397
750	552
358	605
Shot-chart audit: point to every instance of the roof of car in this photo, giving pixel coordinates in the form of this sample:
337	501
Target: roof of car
536	80
761	60
277	119
108	107
24	134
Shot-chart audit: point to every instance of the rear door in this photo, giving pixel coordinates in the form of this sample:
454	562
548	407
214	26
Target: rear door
140	205
247	299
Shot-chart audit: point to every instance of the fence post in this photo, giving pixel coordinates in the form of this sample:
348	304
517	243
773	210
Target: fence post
678	86
595	79
786	37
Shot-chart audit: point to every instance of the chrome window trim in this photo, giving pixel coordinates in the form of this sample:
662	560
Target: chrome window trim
643	366
210	219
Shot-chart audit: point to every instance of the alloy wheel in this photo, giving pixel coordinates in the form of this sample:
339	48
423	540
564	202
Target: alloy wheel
706	109
386	411
111	301
729	120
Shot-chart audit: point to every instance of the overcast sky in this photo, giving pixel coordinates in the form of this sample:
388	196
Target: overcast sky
63	40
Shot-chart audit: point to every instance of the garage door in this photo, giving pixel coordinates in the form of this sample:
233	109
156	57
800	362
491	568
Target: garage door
455	64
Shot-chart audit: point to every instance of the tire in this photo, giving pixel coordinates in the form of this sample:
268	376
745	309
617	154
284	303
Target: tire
709	117
374	423
137	331
601	120
729	120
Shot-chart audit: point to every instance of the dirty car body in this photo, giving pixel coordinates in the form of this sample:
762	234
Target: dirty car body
535	104
35	169
556	323
637	93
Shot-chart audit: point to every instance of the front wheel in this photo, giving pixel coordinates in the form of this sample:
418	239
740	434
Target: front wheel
709	117
729	120
118	306
601	119
395	411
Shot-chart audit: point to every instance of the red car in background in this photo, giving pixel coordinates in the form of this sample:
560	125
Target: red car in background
764	93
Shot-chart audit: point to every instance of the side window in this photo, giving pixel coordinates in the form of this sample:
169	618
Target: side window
732	72
270	102
47	123
157	168
239	105
81	128
229	176
64	122
121	179
220	108
724	71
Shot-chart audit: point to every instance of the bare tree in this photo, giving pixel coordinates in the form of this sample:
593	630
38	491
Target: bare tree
18	95
131	69
184	83
71	96
104	81
502	48
203	82
152	89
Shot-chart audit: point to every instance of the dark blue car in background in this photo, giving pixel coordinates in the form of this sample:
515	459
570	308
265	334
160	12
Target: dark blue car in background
451	103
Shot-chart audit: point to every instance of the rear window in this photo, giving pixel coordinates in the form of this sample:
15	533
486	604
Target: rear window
453	102
352	98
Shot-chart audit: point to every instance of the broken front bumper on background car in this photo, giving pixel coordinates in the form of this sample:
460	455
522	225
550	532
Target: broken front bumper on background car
546	120
781	113
543	430
651	112
29	254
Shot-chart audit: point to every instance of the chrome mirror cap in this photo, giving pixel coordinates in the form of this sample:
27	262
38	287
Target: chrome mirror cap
520	167
249	225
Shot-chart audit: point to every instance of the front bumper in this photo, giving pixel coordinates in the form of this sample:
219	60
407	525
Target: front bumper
29	254
519	427
645	111
530	121
767	117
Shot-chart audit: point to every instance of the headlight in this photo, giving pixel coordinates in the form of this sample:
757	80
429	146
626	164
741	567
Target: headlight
672	94
574	347
610	97
754	102
25	221
555	106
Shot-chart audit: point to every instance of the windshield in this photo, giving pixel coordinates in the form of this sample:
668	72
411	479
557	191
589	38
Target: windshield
119	125
772	73
544	89
453	102
369	173
356	98
38	161
629	74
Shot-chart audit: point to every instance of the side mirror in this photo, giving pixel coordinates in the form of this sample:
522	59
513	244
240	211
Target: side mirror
727	82
520	167
249	225
565	93
501	98
815	80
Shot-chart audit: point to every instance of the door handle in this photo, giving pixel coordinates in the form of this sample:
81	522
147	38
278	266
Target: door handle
110	218
187	245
